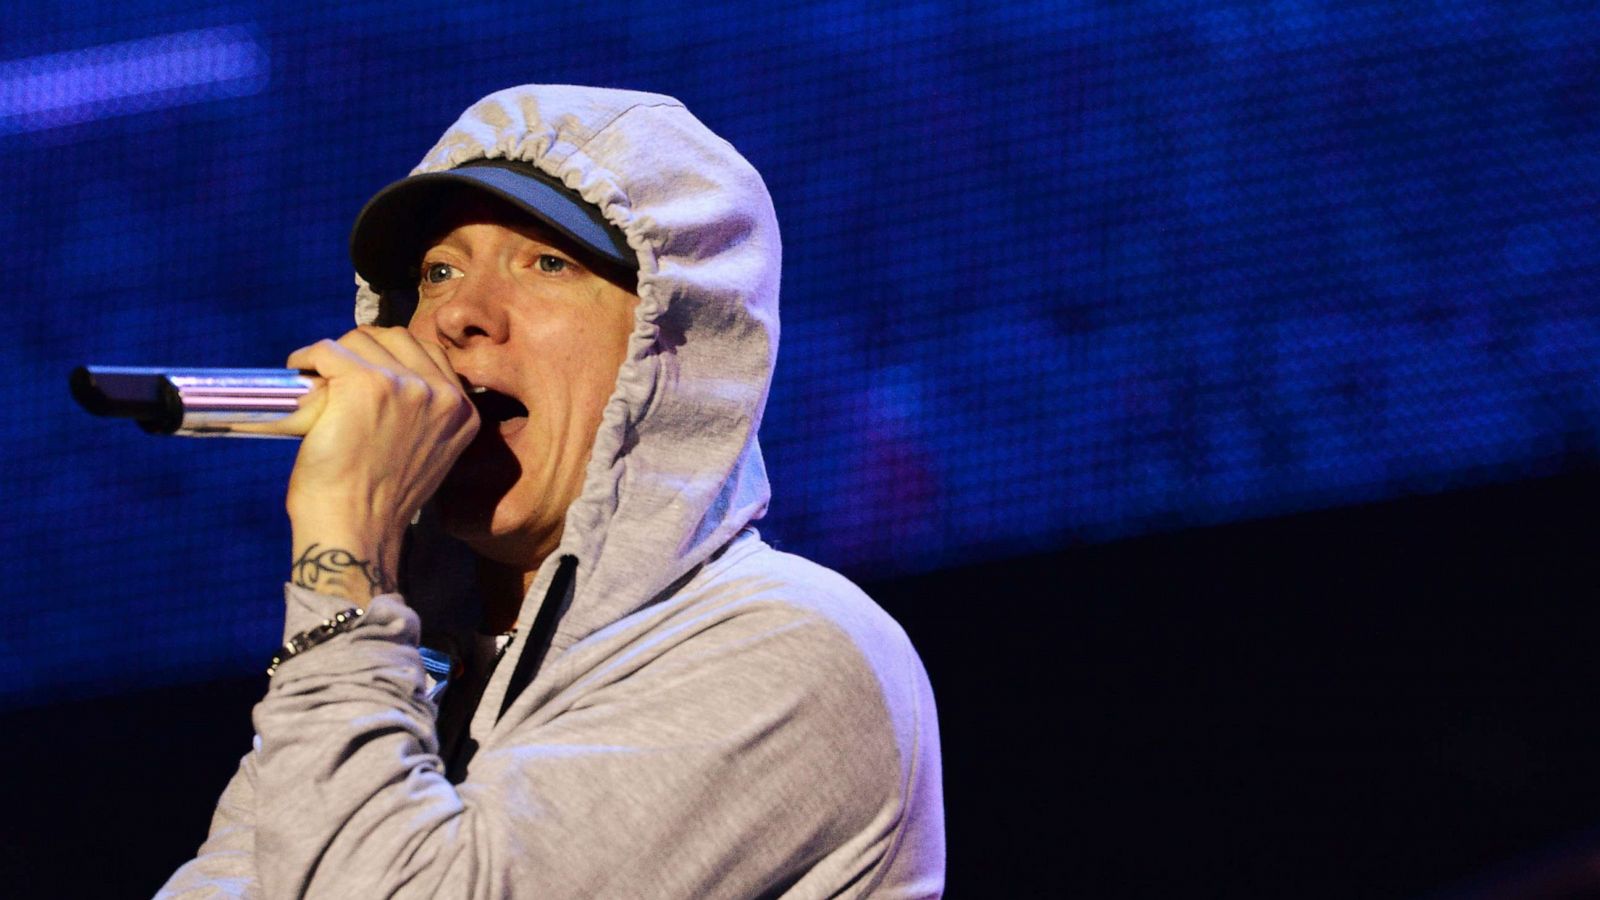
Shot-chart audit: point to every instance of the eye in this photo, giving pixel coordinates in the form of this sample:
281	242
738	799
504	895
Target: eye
549	263
438	272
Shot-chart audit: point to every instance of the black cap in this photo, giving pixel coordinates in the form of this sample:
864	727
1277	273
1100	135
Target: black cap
387	241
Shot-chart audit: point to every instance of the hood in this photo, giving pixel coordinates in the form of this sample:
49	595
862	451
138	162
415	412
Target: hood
676	471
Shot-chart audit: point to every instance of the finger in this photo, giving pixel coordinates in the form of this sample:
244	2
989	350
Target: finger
364	344
355	351
432	365
327	358
415	355
297	423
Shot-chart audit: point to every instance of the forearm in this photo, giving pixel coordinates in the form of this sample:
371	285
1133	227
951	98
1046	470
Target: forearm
347	740
225	865
354	569
351	554
305	783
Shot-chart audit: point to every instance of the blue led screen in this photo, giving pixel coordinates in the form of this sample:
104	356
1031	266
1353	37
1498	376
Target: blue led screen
1054	272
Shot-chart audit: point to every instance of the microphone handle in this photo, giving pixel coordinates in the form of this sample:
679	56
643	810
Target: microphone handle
190	402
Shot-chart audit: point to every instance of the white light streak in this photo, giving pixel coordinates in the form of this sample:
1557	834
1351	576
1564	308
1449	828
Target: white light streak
62	89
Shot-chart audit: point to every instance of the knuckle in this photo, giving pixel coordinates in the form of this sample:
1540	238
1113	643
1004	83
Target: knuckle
413	388
457	411
374	380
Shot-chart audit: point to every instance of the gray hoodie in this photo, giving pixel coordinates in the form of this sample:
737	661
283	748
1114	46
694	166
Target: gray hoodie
704	716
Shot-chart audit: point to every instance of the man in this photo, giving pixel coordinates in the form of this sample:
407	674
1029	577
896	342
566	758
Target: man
640	697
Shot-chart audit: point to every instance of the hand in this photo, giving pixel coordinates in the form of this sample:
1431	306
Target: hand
381	433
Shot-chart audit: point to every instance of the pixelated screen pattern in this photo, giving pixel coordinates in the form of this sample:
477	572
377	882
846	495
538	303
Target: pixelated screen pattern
1054	272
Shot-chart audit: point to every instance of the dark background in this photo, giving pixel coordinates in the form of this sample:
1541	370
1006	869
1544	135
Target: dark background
1211	388
1381	701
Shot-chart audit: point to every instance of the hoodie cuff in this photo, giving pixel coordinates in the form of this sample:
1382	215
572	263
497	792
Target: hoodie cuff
305	609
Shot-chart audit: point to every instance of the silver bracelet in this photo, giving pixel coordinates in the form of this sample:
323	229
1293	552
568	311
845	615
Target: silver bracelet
342	621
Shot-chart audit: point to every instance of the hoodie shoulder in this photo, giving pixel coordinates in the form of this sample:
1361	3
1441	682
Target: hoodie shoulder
850	636
786	582
879	702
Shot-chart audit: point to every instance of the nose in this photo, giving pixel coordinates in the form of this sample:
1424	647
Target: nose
471	313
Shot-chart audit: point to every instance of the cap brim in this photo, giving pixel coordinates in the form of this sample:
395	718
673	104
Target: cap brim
386	243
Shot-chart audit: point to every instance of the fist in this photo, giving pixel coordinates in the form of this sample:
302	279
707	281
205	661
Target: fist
381	432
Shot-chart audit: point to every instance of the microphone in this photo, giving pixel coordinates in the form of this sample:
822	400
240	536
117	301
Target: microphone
191	402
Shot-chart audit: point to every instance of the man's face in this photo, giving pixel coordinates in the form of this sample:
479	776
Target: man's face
517	311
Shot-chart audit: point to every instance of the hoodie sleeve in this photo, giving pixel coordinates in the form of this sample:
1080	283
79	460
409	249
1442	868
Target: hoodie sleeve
742	756
225	866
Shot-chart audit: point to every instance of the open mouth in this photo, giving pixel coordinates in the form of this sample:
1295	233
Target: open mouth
495	407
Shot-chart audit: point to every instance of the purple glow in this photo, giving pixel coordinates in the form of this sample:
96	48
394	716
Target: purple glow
61	89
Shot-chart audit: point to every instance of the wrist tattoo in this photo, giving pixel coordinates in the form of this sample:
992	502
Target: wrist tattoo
330	566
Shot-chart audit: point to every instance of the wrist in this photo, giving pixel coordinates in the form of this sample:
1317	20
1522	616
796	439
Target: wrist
354	567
